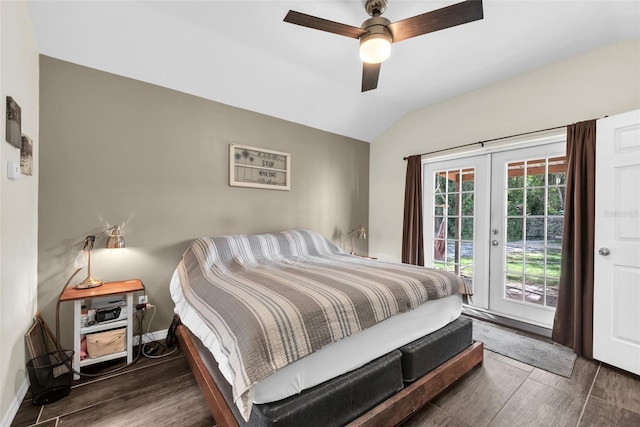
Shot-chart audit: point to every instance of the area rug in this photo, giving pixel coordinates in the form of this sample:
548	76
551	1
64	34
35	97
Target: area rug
553	358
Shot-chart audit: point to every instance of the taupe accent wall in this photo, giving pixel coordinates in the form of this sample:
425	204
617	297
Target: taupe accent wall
119	151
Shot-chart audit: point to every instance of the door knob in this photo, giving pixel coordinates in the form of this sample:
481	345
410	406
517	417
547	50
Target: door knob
604	251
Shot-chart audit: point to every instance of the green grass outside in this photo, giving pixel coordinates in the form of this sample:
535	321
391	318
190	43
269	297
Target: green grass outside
534	266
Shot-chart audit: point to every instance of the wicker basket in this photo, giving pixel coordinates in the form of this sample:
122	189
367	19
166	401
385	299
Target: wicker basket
107	342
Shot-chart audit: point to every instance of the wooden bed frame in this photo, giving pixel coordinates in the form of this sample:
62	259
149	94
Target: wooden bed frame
390	412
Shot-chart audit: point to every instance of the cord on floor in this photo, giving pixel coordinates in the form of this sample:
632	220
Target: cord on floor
152	349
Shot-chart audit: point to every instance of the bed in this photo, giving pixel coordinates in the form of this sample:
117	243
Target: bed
283	328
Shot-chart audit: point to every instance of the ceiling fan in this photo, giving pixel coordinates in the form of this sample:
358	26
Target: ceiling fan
377	33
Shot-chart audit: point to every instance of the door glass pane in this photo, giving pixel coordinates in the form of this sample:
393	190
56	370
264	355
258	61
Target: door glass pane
515	175
515	258
514	230
515	202
468	181
439	242
438	228
467	229
554	230
552	272
534	289
535	201
535	231
534	218
452	181
454	207
466	262
466	207
452	228
536	170
557	171
513	286
555	204
552	292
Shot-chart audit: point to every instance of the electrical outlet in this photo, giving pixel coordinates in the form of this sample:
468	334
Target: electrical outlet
143	299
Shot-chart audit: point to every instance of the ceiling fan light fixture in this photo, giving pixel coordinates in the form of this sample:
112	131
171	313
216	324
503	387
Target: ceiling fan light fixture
377	33
375	48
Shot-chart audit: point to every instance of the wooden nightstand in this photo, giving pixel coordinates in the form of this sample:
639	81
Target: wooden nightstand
124	287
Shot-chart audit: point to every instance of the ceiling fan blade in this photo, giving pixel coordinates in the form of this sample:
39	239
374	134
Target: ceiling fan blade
321	24
439	19
370	73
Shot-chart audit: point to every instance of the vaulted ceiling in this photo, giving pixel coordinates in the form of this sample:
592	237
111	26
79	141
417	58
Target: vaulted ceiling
241	53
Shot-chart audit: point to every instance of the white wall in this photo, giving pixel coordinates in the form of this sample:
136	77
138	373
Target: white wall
601	82
19	77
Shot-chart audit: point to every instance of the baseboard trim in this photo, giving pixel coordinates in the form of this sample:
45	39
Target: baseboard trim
15	404
505	321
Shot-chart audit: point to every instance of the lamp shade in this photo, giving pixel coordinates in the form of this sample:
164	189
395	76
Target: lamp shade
361	232
115	239
375	48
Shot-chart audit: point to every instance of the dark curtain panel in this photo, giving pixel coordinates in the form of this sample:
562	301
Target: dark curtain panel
412	247
573	323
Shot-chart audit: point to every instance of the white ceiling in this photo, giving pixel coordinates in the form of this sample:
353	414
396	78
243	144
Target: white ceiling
242	54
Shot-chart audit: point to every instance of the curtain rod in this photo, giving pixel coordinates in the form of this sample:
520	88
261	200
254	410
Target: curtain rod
489	140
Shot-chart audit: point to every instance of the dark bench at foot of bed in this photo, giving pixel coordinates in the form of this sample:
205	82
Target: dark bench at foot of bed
332	403
425	354
374	390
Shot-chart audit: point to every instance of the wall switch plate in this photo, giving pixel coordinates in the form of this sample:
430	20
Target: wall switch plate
142	299
13	170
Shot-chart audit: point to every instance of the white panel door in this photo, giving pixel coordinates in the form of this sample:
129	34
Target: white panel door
616	324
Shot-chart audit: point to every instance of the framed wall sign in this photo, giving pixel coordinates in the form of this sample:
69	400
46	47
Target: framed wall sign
259	168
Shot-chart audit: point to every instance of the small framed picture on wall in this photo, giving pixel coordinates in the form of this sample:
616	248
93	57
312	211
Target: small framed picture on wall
26	156
14	123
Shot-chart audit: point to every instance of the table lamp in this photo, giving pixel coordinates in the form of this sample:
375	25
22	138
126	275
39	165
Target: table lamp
360	232
114	241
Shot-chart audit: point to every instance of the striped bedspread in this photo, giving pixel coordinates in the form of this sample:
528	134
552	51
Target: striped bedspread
272	299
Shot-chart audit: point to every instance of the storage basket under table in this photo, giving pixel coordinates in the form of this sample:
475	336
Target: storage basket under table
107	342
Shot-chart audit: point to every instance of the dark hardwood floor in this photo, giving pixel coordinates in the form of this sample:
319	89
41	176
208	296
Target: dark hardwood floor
152	392
501	392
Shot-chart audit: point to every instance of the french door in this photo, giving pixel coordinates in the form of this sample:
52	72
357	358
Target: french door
527	198
496	220
456	220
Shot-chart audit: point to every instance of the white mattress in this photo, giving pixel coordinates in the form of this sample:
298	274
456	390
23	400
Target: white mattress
336	359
